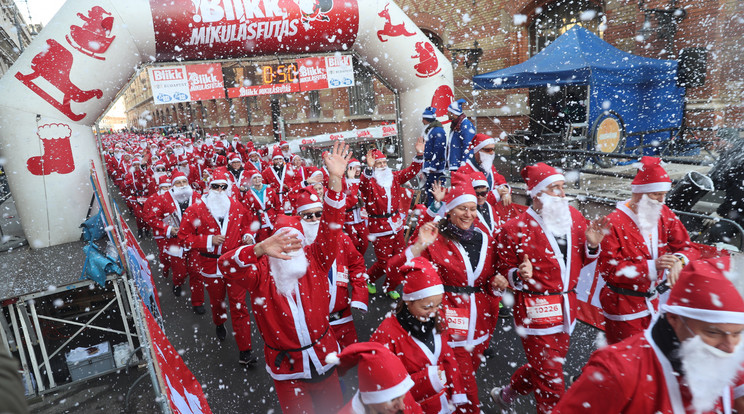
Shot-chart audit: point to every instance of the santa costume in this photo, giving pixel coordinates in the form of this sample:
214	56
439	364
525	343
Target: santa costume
283	179
355	223
163	184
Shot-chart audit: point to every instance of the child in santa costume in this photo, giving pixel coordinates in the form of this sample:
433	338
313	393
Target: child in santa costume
465	256
417	334
542	252
643	254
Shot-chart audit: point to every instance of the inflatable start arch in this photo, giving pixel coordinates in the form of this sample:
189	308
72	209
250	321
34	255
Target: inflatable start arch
67	77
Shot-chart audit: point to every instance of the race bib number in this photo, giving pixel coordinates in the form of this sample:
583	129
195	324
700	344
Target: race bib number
342	277
545	310
457	321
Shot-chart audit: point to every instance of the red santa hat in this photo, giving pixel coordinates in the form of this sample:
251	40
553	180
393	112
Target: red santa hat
539	176
305	199
219	177
420	279
479	141
137	160
289	222
461	191
256	173
277	153
219	145
651	177
382	377
183	159
164	181
158	164
283	143
233	157
252	149
236	137
178	175
705	292
478	179
378	155
354	163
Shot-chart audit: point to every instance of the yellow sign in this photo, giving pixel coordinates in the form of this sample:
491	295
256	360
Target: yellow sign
608	135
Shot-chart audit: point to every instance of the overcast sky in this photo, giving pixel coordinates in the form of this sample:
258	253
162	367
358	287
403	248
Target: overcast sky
41	10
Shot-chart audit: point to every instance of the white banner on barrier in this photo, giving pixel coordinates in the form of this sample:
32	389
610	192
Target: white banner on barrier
169	84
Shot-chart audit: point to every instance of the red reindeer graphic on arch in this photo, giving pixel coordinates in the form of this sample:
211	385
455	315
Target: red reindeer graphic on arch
390	29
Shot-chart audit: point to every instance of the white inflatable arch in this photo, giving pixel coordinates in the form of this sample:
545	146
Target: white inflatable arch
67	77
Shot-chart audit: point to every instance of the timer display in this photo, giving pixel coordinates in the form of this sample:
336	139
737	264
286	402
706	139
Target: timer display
277	74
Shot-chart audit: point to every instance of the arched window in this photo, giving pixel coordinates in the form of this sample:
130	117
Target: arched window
434	38
555	18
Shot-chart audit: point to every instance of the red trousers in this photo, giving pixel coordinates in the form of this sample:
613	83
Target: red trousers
240	317
345	334
196	281
163	256
180	270
305	397
359	235
469	363
616	331
543	372
136	209
385	248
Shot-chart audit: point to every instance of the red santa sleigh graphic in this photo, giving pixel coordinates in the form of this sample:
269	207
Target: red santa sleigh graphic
54	65
390	29
94	37
57	152
314	10
428	65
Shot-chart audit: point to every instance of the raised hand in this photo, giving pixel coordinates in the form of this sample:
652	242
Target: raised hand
370	159
428	234
525	268
596	231
419	146
438	191
278	245
337	159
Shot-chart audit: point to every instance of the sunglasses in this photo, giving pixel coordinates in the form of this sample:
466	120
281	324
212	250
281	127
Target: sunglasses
218	187
482	193
488	150
160	170
310	216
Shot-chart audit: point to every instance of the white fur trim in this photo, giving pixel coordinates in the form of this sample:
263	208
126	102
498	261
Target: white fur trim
359	305
277	156
306	207
381	396
434	379
545	183
480	146
710	316
236	159
424	293
460	200
335	203
480	183
218	182
651	187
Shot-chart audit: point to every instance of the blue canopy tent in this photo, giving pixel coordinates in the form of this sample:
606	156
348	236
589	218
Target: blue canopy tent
642	91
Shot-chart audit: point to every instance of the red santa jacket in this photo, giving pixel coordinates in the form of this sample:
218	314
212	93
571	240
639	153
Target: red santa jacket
170	161
548	304
470	304
633	376
282	182
353	207
348	271
423	366
289	351
382	203
163	214
137	184
198	226
627	261
265	208
497	179
355	406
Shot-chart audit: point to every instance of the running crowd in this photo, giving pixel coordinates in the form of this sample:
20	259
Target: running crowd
236	220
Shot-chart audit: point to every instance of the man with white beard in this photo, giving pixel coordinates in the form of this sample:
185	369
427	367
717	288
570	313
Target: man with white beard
162	185
381	189
685	362
482	152
642	255
164	217
348	269
542	252
216	225
289	286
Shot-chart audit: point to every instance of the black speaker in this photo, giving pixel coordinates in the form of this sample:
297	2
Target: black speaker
692	67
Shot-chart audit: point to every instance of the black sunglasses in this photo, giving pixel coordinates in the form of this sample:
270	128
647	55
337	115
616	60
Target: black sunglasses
482	193
218	186
310	216
488	150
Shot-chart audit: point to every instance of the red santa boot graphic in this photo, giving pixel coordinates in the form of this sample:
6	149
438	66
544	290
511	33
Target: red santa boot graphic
57	152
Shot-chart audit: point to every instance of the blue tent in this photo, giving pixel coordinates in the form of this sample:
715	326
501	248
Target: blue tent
642	91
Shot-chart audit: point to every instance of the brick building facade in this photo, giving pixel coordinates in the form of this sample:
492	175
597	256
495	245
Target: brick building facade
481	36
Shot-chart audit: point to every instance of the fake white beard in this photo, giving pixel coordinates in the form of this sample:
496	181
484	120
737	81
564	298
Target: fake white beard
649	213
181	194
707	370
287	273
310	229
556	214
156	176
209	141
178	151
384	177
487	161
184	169
218	203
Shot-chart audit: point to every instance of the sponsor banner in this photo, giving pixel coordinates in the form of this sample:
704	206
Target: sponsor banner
139	271
382	131
183	391
312	73
205	81
340	71
169	84
262	90
221	29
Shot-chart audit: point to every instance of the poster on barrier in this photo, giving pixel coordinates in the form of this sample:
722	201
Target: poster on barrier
186	83
140	272
184	393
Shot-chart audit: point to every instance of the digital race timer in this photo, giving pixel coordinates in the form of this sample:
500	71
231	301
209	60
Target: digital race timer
277	74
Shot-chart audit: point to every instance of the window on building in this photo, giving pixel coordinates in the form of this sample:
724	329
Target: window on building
362	94
557	17
314	97
434	38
